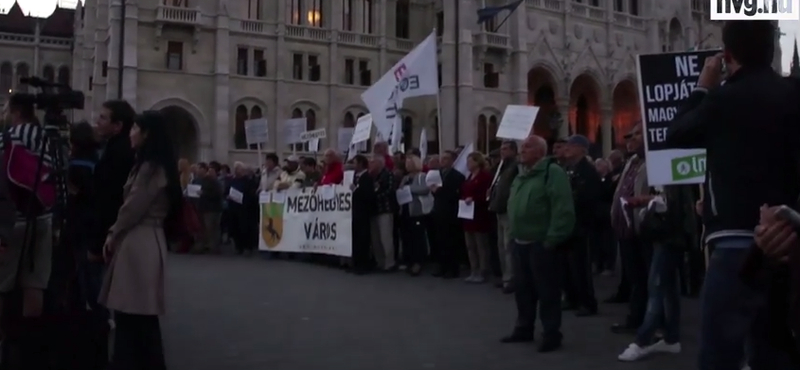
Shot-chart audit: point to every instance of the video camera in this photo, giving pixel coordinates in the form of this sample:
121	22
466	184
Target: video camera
54	98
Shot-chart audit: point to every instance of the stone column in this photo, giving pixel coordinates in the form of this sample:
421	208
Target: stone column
467	132
219	123
130	71
449	119
563	109
357	12
518	31
653	37
607	114
114	32
280	111
36	68
334	114
383	30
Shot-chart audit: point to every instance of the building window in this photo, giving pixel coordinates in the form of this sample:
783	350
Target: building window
619	6
439	73
239	138
315	14
367	16
311	124
241	61
24	72
402	19
91	83
297	66
64	76
254	9
314	68
297	12
595	3
487	128
255	113
490	25
634	7
491	79
365	75
49	74
349	71
260	63
177	3
439	23
347	15
349	120
104	69
175	55
6	78
407	133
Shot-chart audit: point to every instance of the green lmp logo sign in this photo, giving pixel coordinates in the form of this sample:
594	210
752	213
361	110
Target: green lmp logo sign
688	167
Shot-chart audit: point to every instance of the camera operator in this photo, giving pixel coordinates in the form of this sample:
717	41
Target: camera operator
23	130
116	160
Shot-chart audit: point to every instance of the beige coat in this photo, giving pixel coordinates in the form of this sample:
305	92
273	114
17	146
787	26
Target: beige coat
640	187
134	282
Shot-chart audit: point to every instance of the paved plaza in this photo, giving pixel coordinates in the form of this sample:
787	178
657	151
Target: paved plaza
235	313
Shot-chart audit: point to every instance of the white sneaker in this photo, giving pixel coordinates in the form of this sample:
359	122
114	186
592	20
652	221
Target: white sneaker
663	347
633	353
479	279
470	279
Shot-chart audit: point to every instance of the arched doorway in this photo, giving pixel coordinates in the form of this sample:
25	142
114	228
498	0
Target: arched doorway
584	110
541	93
626	112
182	129
676	36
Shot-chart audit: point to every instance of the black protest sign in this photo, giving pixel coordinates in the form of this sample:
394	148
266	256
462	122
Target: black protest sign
665	82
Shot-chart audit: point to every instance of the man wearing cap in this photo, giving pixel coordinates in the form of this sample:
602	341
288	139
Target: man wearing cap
586	192
291	177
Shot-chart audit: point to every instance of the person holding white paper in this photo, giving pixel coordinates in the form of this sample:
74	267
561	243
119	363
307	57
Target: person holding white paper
445	221
244	231
541	216
477	228
412	216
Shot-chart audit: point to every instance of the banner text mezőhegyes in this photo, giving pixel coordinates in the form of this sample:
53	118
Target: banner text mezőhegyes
313	202
688	68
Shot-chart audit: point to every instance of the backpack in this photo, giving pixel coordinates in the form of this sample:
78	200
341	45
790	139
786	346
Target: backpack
31	184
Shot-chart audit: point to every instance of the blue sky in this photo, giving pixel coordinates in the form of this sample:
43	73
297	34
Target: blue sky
45	7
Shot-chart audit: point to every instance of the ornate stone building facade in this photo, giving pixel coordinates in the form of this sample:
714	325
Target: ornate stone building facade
212	64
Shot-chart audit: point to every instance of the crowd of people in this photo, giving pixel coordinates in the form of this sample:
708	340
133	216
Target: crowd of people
546	219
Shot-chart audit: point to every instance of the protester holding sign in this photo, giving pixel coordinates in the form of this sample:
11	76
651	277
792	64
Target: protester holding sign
749	125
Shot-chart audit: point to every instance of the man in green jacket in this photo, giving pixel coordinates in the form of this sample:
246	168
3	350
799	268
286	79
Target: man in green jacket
541	216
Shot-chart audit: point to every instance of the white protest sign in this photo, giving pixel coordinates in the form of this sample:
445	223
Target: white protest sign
363	129
423	144
343	138
256	131
313	145
460	164
292	129
517	122
306	223
313	134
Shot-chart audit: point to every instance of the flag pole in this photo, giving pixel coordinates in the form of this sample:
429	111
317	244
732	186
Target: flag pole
438	112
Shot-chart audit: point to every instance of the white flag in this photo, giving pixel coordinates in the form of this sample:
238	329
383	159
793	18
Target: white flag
414	75
423	144
460	163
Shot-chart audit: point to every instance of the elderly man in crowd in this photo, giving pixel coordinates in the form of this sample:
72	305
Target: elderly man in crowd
541	217
499	191
292	176
382	222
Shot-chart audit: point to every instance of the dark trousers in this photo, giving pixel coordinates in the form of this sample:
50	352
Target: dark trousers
415	243
448	231
635	256
399	253
244	231
361	245
430	231
578	283
137	343
735	316
603	248
537	282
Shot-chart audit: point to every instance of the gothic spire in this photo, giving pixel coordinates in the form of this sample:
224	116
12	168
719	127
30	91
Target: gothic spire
795	68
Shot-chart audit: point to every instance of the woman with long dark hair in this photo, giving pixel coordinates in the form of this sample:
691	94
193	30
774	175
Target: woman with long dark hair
136	247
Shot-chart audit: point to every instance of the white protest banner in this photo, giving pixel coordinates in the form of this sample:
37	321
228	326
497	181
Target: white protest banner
343	136
414	75
313	145
665	81
307	223
256	131
517	122
363	129
320	133
292	129
460	164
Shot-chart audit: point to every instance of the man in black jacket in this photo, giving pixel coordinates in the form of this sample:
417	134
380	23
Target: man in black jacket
499	191
363	203
586	192
749	126
445	213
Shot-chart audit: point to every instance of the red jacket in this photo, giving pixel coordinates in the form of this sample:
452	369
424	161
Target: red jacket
475	187
334	174
389	162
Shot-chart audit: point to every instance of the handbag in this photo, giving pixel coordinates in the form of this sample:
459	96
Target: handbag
32	191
